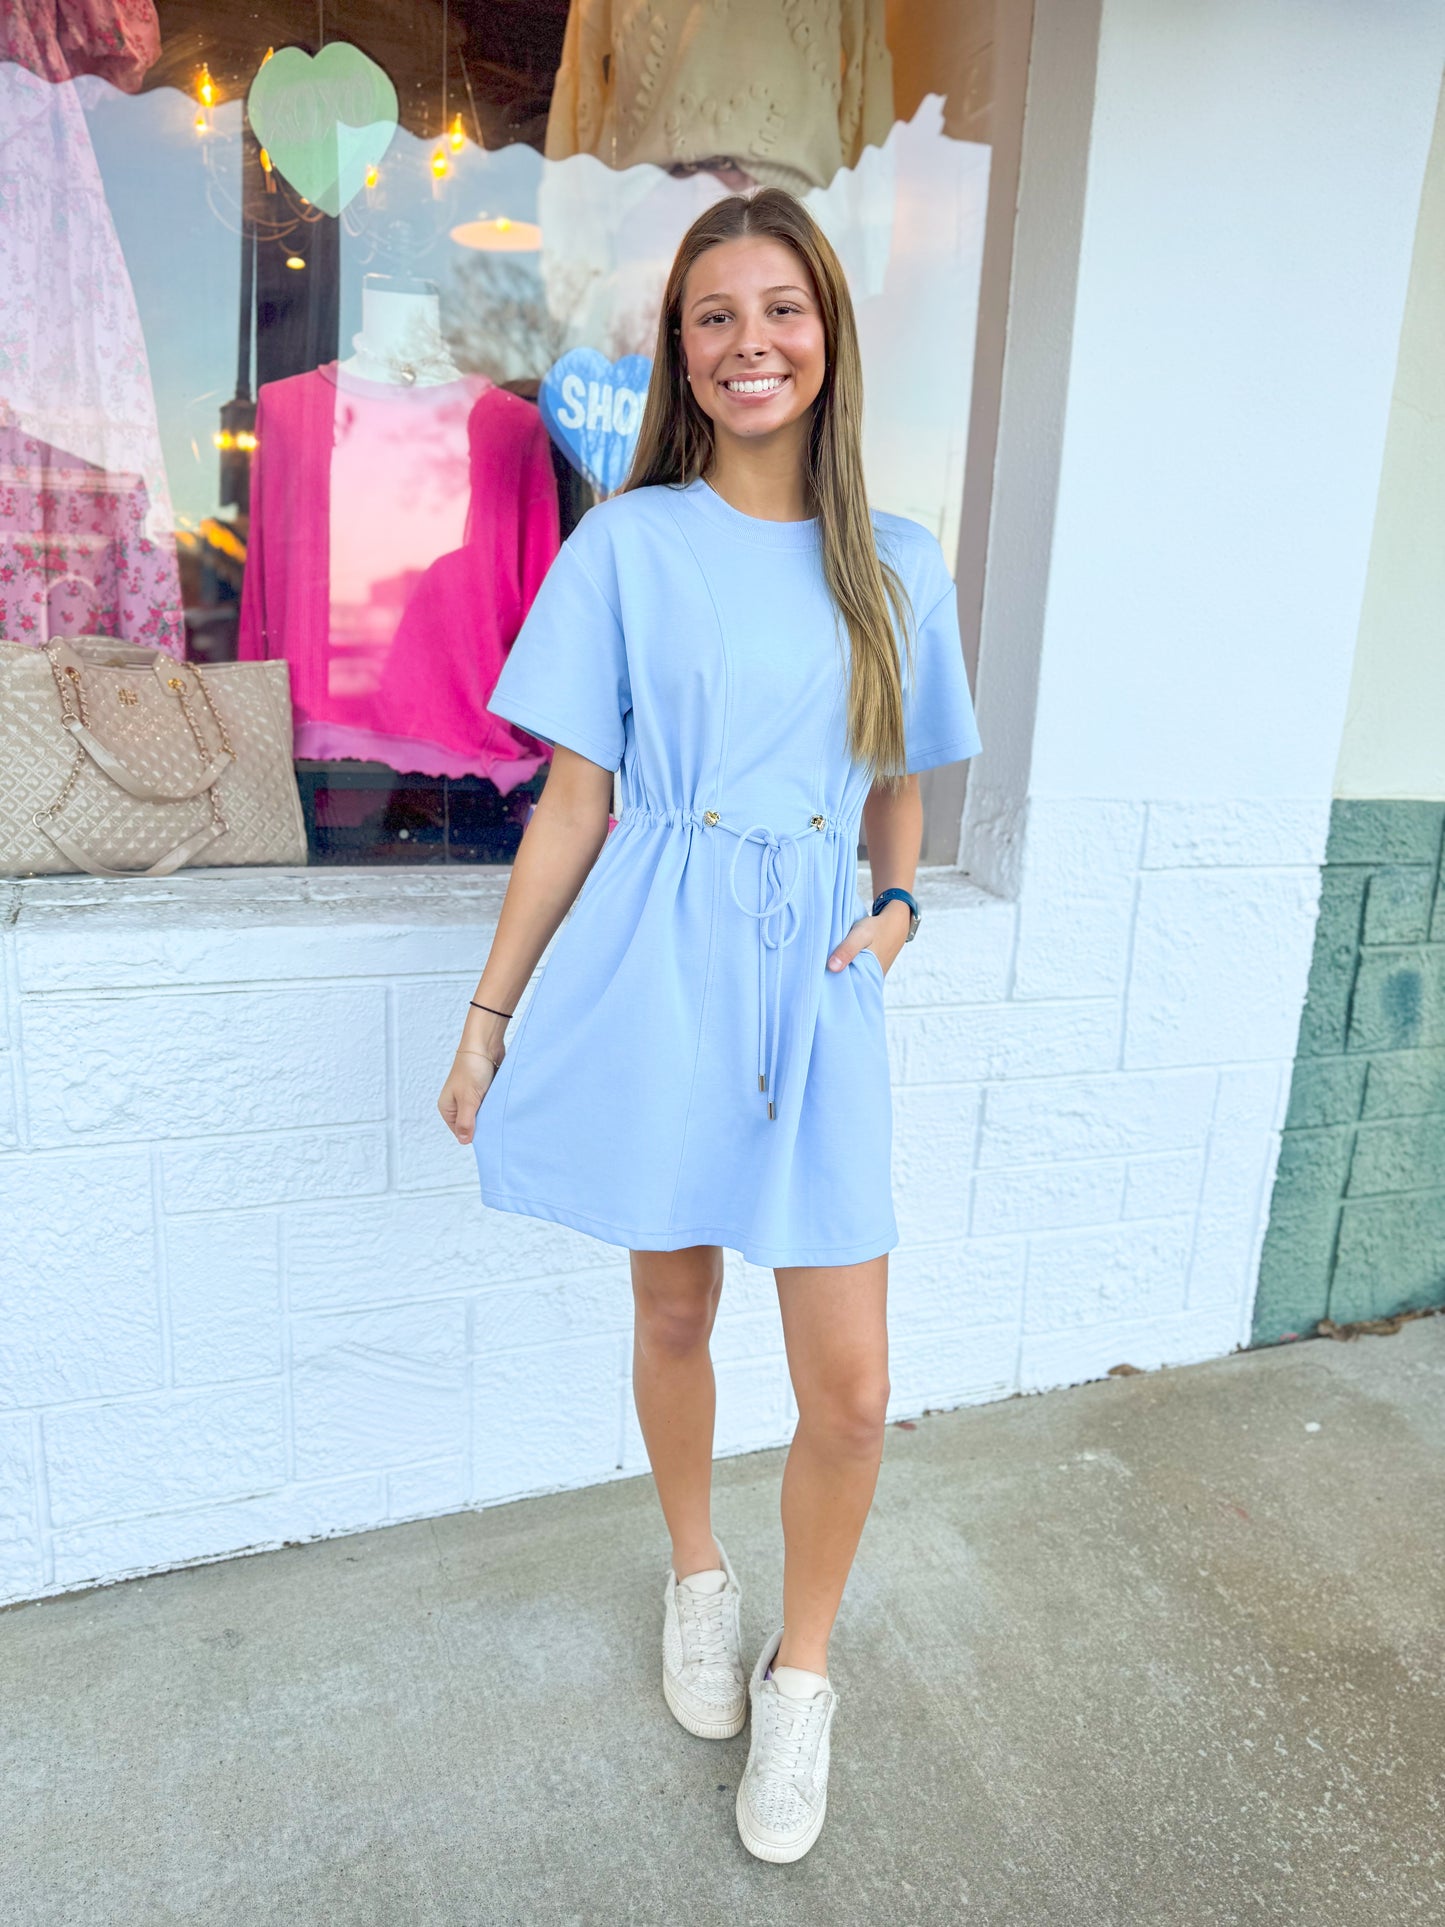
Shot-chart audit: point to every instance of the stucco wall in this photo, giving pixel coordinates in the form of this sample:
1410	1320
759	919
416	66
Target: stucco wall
1254	173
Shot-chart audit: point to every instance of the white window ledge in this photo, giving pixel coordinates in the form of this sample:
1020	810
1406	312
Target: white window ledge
214	926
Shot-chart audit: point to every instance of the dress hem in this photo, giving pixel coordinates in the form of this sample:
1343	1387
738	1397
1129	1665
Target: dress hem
959	752
755	1254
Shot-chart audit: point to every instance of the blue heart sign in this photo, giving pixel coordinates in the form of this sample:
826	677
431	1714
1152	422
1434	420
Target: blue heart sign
593	410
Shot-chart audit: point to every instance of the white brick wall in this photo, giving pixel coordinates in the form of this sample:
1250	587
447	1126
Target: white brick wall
249	1293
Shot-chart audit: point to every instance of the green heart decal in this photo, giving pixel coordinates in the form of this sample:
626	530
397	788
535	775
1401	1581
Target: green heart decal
323	121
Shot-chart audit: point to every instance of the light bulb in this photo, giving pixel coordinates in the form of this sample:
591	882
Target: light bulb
206	87
456	139
200	123
439	163
295	261
265	162
373	175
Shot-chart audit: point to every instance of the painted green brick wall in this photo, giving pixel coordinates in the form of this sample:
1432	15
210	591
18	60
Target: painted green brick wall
1357	1221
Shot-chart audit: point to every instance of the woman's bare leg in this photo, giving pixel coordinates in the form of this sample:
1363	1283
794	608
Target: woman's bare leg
835	1327
675	1299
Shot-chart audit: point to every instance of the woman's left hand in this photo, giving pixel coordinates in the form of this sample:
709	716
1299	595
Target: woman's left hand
885	935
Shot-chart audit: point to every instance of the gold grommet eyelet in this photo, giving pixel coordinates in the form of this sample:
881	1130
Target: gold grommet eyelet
709	816
819	822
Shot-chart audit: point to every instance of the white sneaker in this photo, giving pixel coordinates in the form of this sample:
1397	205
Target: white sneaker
783	1794
703	1678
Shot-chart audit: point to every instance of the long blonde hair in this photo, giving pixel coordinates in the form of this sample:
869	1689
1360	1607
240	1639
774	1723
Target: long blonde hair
675	444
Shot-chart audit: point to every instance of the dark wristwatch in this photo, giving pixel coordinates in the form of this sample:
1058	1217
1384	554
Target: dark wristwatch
915	915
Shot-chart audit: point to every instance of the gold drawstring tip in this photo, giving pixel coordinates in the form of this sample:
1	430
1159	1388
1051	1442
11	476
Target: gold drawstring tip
771	1112
762	1082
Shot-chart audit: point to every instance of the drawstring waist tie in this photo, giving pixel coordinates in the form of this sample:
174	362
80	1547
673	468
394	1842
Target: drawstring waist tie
776	915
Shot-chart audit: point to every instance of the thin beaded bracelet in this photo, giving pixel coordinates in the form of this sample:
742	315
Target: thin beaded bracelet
496	1013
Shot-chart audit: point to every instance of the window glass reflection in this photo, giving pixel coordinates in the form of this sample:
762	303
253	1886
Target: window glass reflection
276	312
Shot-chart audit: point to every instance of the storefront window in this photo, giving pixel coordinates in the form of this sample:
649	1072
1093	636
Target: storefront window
320	327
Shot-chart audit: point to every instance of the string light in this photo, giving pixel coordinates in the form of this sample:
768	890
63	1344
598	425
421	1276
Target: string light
439	163
242	438
373	174
295	261
206	87
456	139
200	123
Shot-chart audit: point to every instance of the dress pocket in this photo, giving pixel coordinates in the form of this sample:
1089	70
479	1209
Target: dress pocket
874	959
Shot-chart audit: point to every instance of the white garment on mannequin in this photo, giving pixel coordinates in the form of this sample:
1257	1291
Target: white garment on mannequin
401	341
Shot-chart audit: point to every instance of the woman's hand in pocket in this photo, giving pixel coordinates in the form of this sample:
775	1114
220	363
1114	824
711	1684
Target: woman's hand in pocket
885	935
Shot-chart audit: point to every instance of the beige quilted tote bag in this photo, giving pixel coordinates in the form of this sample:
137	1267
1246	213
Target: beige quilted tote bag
120	761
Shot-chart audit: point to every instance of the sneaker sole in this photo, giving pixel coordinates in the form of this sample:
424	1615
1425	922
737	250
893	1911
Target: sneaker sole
768	1850
704	1729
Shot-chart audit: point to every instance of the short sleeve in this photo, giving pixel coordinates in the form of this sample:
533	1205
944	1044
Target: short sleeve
938	719
565	678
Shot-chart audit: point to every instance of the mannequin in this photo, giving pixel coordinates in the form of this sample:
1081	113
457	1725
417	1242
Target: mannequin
403	513
401	341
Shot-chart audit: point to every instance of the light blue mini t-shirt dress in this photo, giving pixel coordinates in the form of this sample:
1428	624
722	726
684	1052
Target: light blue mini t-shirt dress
688	1070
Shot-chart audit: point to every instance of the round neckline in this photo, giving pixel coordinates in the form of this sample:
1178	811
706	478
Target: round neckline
752	528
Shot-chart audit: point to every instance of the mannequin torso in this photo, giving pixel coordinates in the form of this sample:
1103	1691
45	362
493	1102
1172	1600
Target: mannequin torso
401	342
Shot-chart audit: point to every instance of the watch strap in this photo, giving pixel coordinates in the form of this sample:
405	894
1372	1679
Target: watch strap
905	896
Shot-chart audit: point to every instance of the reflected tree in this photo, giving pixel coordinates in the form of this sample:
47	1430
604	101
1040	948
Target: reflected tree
496	320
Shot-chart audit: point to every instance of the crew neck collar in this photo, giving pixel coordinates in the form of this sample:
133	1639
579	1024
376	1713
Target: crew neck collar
751	528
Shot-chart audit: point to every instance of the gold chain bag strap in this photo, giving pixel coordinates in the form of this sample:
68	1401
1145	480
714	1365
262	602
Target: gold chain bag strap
118	760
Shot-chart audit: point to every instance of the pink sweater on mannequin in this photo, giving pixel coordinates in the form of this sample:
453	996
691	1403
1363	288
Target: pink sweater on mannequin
398	536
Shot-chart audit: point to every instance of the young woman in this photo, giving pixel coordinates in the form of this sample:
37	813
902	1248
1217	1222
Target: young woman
703	1062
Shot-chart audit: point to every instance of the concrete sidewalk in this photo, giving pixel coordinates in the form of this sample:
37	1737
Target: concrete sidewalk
1162	1649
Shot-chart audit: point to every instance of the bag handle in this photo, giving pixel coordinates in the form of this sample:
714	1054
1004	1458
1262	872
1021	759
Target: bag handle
163	866
70	687
116	770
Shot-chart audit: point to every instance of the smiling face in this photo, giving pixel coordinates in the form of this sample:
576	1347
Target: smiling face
752	339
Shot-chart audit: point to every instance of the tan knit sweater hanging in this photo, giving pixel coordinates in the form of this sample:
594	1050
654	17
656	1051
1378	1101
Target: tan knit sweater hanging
789	90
